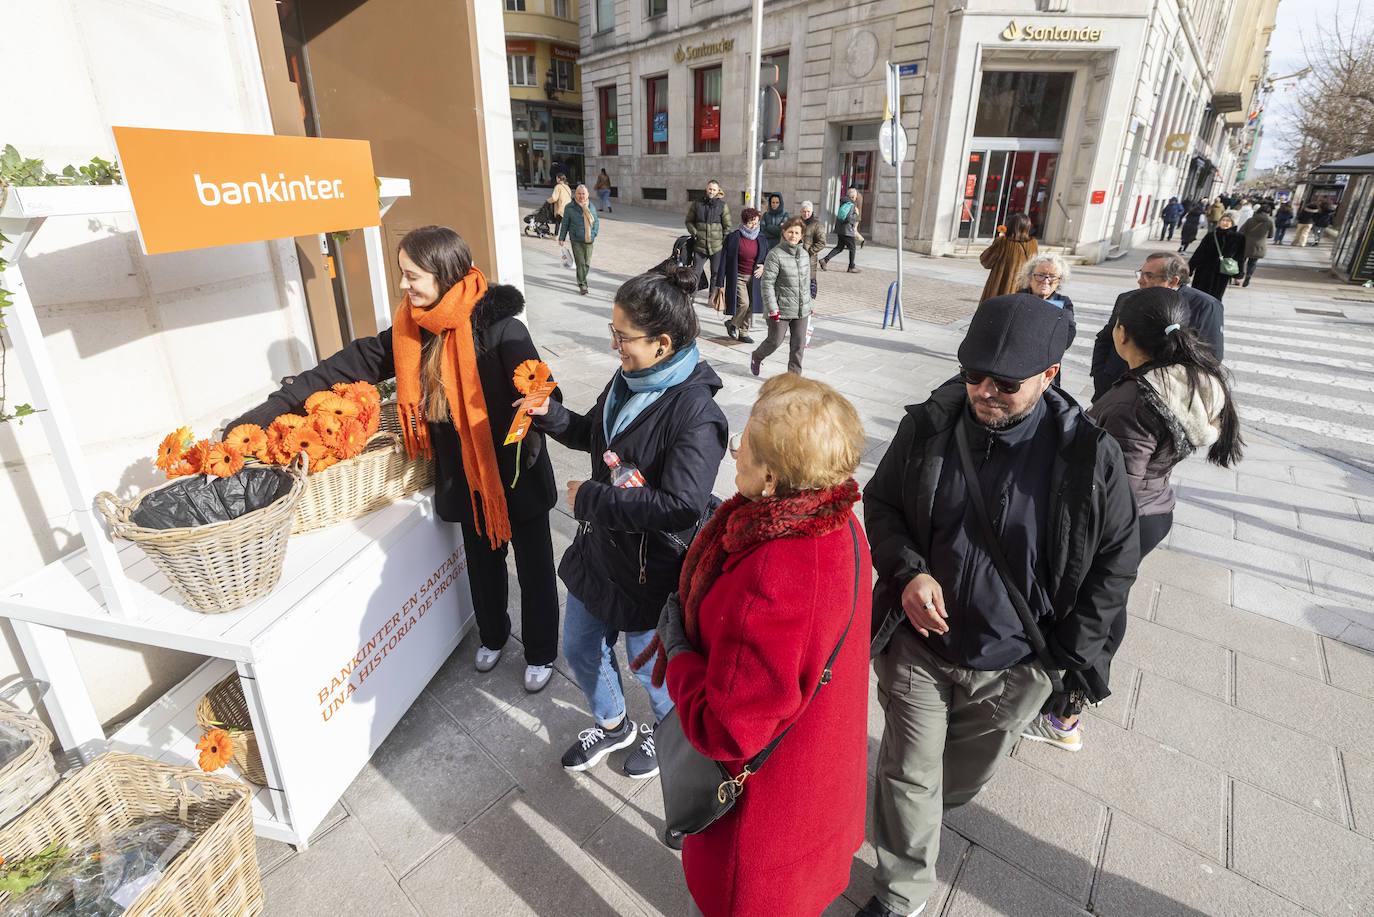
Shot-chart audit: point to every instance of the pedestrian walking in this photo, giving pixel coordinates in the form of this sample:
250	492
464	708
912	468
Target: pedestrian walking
1282	220
1006	255
453	350
1214	213
846	228
1307	215
969	607
773	218
1217	260
1256	231
581	225
1173	401
746	249
603	191
1204	317
1244	213
1044	275
656	438
1326	215
786	288
708	222
560	197
813	240
767	640
1170	215
1188	232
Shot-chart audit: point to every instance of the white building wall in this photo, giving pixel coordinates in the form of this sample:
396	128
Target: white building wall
143	344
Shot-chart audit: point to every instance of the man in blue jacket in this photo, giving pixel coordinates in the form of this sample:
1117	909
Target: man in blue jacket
1171	214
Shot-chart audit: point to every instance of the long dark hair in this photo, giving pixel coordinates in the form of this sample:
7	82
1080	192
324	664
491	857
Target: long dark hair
1019	228
1144	315
660	302
440	251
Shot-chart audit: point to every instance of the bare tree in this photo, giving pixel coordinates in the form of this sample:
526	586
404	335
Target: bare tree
1334	110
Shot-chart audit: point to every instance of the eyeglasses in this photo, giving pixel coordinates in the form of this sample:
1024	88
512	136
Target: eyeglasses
1046	278
618	339
1005	386
736	442
1149	275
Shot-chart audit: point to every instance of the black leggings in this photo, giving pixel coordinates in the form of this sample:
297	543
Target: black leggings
841	244
488	579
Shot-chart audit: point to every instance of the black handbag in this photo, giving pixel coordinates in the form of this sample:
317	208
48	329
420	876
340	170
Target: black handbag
1070	691
698	790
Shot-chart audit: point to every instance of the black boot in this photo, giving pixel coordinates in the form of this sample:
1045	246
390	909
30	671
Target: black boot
874	908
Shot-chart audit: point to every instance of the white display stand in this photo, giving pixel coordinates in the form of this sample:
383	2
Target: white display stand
365	613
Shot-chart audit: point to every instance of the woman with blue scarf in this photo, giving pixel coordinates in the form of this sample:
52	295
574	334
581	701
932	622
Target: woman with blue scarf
657	439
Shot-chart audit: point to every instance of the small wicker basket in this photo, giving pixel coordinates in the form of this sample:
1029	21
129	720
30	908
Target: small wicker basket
217	874
382	474
25	779
224	708
220	566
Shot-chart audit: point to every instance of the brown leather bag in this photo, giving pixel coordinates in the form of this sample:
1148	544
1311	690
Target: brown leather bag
718	299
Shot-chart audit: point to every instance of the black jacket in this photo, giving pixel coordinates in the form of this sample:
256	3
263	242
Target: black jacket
1091	551
503	343
1205	317
730	271
628	551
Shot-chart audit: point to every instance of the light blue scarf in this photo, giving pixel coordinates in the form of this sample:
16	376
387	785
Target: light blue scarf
632	392
749	233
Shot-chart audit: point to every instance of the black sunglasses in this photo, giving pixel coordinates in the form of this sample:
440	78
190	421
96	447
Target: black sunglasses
1005	386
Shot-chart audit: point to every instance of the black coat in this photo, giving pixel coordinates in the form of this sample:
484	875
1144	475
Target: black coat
1206	260
1091	553
1205	316
731	269
503	343
630	543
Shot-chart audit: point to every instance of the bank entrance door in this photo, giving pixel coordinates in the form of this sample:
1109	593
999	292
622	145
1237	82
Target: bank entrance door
1000	182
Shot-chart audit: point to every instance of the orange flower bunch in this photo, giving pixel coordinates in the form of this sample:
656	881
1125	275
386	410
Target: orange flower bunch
180	454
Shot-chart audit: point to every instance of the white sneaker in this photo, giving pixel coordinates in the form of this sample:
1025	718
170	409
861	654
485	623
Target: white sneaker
537	677
1041	729
487	659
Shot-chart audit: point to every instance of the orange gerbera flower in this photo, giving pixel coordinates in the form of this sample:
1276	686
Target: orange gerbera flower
223	460
313	403
530	374
371	418
307	440
362	394
181	469
337	405
172	447
216	750
289	422
328	460
249	439
328	425
196	456
350	439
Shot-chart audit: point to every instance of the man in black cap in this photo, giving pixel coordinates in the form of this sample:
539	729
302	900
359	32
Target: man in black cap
959	674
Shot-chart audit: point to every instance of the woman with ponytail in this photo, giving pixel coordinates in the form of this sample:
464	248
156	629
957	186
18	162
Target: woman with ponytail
453	348
1173	400
656	439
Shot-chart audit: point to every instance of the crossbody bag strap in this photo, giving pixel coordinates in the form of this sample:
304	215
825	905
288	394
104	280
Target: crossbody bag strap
993	544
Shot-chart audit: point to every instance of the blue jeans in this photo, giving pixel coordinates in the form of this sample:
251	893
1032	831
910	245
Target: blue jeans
605	196
594	664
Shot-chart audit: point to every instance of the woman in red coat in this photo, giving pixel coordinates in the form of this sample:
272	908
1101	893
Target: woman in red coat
767	591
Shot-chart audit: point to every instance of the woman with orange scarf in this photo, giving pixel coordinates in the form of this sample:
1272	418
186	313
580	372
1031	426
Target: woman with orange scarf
453	347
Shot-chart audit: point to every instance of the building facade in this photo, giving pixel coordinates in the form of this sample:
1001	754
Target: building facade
1085	115
545	89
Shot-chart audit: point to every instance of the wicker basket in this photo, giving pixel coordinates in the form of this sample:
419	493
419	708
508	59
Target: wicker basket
382	474
220	566
224	708
217	874
25	779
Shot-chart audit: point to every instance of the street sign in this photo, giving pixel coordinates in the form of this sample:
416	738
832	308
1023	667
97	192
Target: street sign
885	143
1099	197
1176	143
906	69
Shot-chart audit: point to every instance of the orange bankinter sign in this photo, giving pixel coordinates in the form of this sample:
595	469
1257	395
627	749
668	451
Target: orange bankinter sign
196	189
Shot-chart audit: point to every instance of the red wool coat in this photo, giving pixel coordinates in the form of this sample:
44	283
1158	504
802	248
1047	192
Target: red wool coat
766	626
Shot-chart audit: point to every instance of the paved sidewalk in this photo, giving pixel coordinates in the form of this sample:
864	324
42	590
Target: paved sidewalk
1231	773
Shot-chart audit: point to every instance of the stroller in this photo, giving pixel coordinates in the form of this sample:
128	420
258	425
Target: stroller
683	252
542	223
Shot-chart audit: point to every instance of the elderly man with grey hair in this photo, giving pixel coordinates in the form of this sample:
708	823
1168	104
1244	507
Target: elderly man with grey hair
813	238
1161	269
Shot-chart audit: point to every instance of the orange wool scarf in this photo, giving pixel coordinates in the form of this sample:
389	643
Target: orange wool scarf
467	404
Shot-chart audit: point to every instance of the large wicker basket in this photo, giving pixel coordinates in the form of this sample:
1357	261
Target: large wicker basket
217	874
220	566
25	779
224	708
382	474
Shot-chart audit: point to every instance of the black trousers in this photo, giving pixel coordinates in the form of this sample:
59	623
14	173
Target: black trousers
1168	232
842	243
489	582
1250	267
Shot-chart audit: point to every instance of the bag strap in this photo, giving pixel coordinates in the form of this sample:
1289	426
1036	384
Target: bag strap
994	548
735	785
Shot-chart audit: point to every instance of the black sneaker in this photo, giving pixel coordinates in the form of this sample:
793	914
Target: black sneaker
745	339
596	743
642	763
875	908
731	330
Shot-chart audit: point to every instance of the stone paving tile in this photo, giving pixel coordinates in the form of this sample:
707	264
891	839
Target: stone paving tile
333	877
991	886
1149	779
1358	635
1242	558
629	848
1334	479
1293	606
1359	779
1037	823
1307	705
1144	872
1176	656
514	861
1347	586
1351	668
1204	515
1330	872
1243	631
1275	757
1298	496
1141	600
427	781
1334	550
272	854
1118	707
472	697
1350	529
1184	571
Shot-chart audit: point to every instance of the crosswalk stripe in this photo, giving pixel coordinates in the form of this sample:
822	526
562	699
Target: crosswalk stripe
1313	359
1241	367
1296	326
1309	424
1358	351
1306	399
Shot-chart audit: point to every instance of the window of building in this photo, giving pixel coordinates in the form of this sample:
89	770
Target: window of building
781	59
706	110
520	69
654	194
868	131
605	15
515	6
560	9
609	133
563	75
567	124
654	8
1022	104
656	115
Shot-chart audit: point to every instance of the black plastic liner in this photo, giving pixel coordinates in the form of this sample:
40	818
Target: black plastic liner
200	500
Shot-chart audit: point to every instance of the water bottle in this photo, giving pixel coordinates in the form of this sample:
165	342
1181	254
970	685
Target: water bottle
622	475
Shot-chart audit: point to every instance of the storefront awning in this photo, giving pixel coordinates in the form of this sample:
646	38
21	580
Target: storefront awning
1355	165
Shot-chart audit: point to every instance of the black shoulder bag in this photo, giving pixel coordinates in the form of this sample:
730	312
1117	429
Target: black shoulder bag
698	790
1068	692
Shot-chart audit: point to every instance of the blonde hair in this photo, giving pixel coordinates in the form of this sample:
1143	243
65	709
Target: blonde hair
806	433
1051	258
432	379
